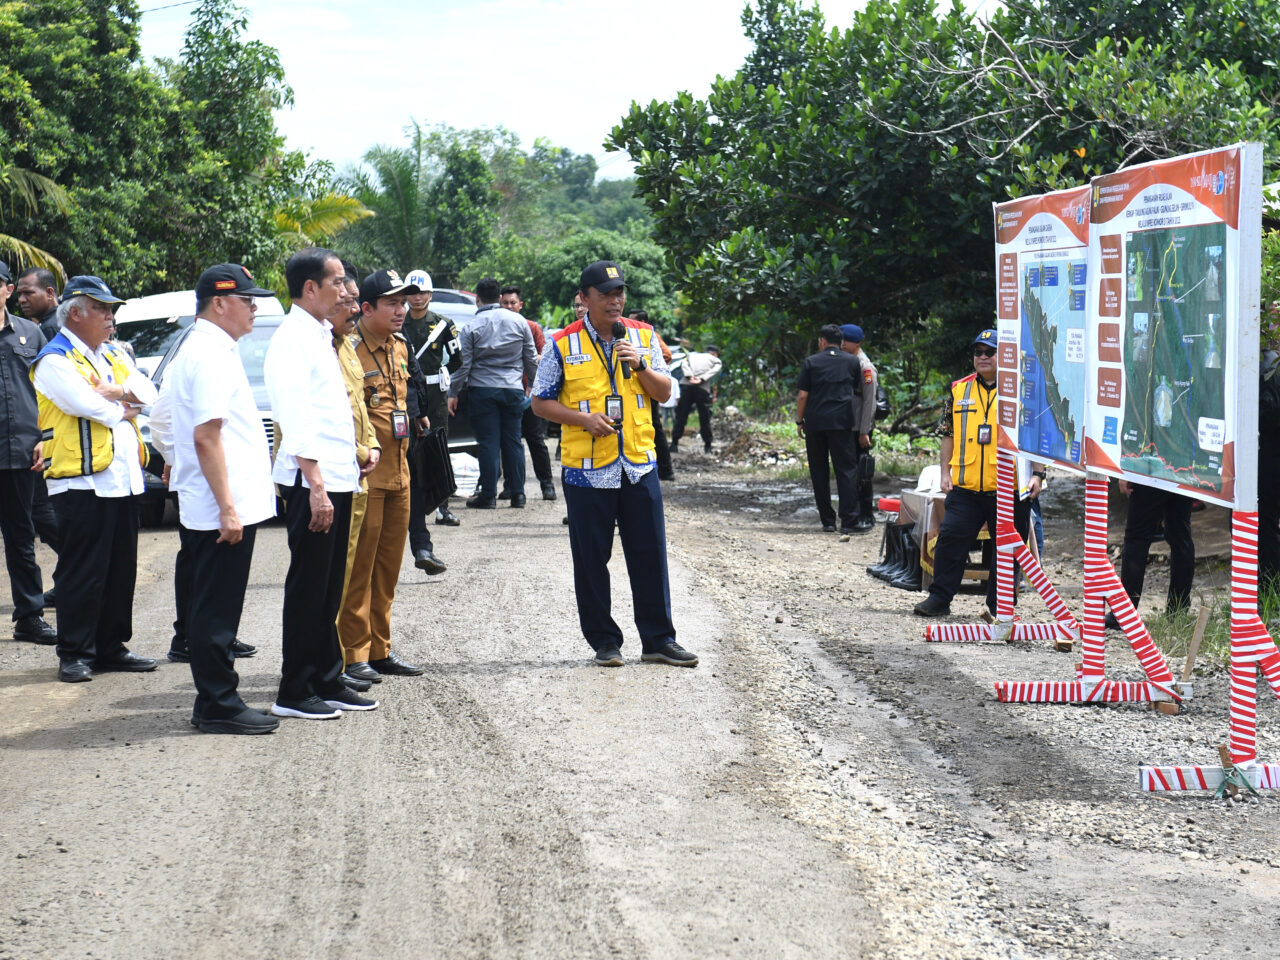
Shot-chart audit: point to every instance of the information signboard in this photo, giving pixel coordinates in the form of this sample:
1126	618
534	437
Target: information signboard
1042	295
1173	324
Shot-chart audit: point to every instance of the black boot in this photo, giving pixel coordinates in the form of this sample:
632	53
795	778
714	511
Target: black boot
901	565
889	543
911	579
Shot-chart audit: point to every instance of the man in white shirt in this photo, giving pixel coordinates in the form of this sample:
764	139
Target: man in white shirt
695	390
221	470
89	393
317	471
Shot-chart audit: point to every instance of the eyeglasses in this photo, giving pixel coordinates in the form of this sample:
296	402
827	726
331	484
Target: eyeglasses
252	302
983	352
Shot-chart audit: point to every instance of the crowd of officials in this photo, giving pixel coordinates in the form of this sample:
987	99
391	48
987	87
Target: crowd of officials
358	374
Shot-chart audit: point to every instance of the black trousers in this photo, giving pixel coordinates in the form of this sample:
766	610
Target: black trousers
534	430
839	446
691	395
637	510
42	514
1147	507
966	512
96	572
312	655
217	574
419	534
661	447
25	579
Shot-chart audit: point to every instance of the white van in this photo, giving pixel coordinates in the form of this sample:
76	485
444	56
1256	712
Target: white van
149	325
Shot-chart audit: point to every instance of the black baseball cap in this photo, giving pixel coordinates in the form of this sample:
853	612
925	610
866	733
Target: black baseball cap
95	288
384	283
604	275
5	275
228	279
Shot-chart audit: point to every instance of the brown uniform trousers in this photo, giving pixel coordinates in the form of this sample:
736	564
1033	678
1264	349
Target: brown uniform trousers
364	622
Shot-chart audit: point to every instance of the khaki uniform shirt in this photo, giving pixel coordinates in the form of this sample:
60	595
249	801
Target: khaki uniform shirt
353	379
385	389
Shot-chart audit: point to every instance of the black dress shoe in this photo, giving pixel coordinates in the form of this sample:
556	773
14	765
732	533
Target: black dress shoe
426	560
362	671
707	448
863	524
565	520
359	686
179	655
50	599
74	671
481	502
447	519
518	499
33	629
931	606
504	495
666	474
124	661
239	649
392	664
828	528
548	490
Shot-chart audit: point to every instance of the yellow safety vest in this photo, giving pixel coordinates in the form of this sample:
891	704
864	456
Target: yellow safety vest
587	382
973	464
76	446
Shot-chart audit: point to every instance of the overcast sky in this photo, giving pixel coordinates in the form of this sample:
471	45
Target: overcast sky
567	70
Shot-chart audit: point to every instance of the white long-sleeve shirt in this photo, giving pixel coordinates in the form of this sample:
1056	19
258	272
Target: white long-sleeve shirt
309	401
59	380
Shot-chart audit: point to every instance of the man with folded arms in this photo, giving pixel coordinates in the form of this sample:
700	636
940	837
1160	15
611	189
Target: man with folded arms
221	471
89	393
317	472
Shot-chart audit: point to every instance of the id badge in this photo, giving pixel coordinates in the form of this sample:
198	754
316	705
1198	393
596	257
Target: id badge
613	408
399	424
984	433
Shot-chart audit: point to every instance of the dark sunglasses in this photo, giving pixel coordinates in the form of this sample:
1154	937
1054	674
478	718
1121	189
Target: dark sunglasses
983	352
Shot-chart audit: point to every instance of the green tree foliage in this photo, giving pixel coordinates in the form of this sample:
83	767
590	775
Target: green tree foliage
165	168
848	174
433	203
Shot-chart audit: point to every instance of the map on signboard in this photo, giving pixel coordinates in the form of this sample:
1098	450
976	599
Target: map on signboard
1175	388
1053	359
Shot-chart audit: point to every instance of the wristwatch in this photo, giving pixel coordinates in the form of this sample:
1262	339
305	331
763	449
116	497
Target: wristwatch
644	364
1038	473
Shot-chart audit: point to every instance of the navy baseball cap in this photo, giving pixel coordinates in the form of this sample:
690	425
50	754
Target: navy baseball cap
604	275
852	332
228	279
987	338
5	275
92	287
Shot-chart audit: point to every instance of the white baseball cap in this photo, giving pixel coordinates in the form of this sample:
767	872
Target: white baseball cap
420	279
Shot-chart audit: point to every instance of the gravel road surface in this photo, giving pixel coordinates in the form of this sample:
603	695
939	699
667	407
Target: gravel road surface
824	784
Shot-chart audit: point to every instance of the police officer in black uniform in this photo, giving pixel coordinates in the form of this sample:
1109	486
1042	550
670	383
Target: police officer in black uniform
431	336
829	381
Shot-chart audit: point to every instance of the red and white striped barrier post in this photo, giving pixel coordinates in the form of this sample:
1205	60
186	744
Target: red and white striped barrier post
1101	587
1252	651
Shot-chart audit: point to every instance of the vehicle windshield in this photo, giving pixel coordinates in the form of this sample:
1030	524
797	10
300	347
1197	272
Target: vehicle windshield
253	354
151	338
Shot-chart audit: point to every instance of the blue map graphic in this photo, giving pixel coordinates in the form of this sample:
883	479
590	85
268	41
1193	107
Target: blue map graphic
1053	360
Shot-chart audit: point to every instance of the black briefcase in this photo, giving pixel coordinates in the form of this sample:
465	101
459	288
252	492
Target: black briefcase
432	467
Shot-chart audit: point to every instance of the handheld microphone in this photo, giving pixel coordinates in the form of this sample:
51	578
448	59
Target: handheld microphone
620	333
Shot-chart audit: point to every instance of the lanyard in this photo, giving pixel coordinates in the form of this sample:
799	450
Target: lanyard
390	361
607	365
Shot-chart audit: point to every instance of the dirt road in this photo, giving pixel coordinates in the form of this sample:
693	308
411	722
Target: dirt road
823	785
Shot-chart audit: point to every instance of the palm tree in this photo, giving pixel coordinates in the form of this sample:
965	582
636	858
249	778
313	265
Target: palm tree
27	189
